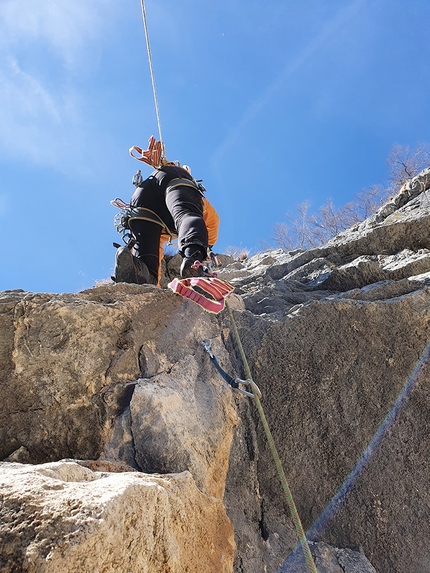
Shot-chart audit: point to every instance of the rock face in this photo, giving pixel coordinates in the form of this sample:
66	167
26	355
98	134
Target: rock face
114	372
76	365
349	323
124	450
73	519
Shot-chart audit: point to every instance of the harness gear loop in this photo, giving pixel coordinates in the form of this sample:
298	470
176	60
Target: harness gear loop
309	560
179	182
145	214
127	214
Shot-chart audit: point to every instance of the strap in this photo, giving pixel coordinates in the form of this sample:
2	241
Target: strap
152	156
152	217
215	288
179	182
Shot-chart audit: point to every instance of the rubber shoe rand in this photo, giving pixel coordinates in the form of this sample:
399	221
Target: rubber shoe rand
129	269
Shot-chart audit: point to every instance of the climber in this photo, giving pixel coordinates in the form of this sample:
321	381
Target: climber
168	204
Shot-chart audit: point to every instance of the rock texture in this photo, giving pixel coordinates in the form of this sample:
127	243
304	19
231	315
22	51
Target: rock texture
74	366
115	372
390	246
346	324
125	450
73	519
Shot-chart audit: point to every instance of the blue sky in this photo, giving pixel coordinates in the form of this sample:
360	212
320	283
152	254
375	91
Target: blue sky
270	102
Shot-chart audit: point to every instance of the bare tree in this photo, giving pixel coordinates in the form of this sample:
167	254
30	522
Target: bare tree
330	220
283	237
369	200
238	253
298	232
305	230
404	164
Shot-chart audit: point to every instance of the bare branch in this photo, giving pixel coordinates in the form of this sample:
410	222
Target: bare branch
283	238
305	230
370	199
403	164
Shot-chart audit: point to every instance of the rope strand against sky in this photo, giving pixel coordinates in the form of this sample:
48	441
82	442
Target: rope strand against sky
151	69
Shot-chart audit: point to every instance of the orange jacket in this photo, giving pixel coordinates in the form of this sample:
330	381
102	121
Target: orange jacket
211	219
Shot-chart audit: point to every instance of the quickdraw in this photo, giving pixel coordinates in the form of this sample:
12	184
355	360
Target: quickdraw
233	382
122	220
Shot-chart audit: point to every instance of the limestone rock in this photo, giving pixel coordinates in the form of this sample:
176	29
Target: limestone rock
328	559
360	272
179	421
117	376
61	516
406	263
378	250
75	366
347	324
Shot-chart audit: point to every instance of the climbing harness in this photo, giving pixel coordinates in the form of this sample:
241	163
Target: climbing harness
127	214
179	182
233	382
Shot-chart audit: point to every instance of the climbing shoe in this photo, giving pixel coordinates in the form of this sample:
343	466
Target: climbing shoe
192	264
130	269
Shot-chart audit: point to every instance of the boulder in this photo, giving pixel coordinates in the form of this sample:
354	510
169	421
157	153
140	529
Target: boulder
94	374
62	516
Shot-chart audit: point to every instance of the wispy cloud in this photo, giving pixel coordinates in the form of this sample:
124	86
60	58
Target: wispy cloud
33	119
64	26
328	31
40	113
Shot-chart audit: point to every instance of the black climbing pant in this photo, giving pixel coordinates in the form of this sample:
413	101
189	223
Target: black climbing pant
181	209
186	207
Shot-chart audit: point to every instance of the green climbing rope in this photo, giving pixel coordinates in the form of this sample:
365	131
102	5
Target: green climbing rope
310	563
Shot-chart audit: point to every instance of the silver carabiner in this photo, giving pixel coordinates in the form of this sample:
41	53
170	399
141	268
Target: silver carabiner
208	347
248	382
137	178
